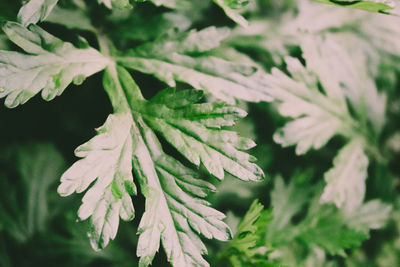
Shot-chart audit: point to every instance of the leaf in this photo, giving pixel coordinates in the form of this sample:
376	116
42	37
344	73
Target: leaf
330	234
35	10
368	5
121	4
371	215
175	212
322	226
316	117
346	180
231	7
194	130
71	18
172	60
287	201
319	98
50	65
27	205
248	247
152	28
106	160
345	75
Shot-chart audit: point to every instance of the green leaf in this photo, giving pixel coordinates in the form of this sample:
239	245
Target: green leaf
185	60
329	233
35	10
346	180
248	247
322	225
231	9
152	28
106	160
368	5
49	65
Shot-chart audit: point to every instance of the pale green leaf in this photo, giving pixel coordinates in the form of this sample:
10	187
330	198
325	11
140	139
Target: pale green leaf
287	201
49	65
106	160
173	61
343	73
194	130
371	215
346	179
316	117
175	212
35	10
171	213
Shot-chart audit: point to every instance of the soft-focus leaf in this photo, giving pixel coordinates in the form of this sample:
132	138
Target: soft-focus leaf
346	180
27	200
371	215
322	226
71	18
35	10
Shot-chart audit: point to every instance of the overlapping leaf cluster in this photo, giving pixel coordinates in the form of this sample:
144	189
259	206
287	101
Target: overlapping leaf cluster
273	238
175	212
330	71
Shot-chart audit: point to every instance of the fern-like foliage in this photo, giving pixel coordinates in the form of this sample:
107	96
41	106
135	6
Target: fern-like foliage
248	248
35	10
50	65
331	95
175	212
323	226
184	58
